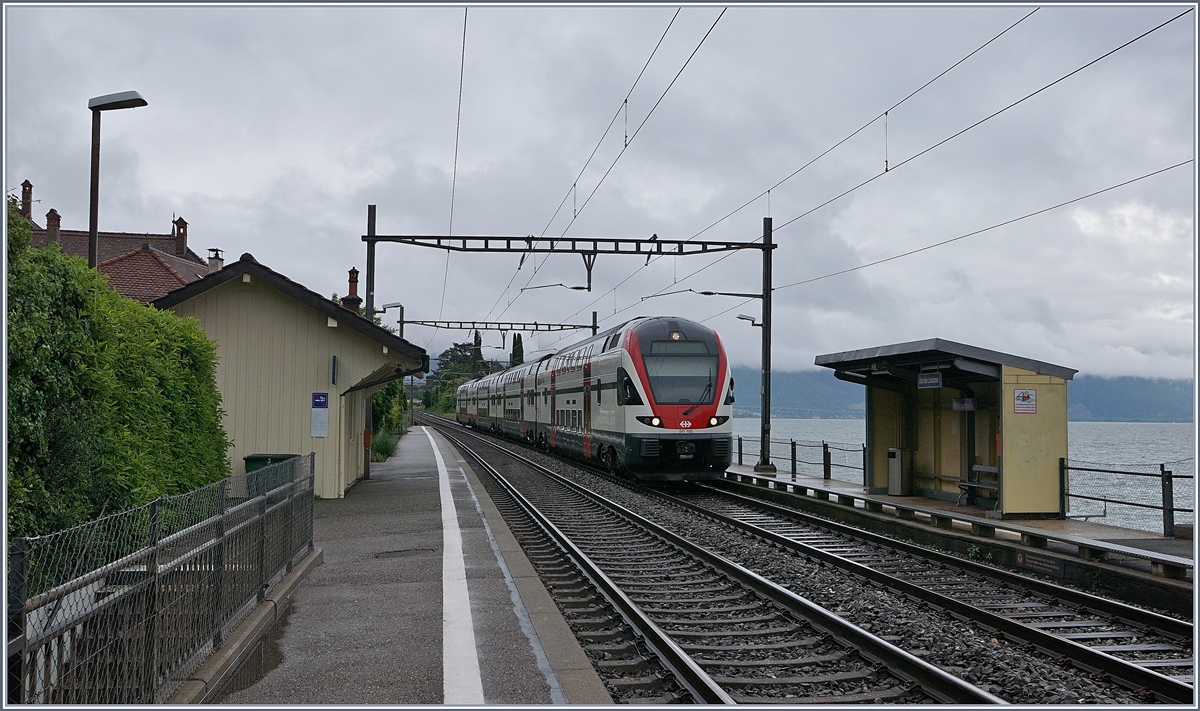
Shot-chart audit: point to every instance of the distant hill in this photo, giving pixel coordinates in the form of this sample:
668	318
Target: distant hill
817	394
1128	399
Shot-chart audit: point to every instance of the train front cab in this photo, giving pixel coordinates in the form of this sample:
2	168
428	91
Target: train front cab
676	395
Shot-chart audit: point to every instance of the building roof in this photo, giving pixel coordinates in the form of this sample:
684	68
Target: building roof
146	274
110	244
248	265
930	352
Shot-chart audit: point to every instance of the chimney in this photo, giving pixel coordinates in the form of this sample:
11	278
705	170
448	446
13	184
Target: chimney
180	233
352	300
26	199
216	260
53	222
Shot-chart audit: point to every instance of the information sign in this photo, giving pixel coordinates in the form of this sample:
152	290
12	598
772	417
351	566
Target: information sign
320	415
1025	401
929	380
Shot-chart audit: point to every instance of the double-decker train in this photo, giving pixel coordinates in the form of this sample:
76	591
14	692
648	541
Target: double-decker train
650	398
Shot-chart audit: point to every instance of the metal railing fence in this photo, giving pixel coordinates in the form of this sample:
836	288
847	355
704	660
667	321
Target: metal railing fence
829	460
1103	479
122	609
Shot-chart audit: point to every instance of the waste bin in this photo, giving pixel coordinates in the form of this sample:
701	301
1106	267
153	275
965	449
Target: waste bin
899	479
254	462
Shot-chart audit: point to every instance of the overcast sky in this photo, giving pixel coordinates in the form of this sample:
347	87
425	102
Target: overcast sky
270	129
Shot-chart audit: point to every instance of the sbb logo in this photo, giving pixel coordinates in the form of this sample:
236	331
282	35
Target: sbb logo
685	423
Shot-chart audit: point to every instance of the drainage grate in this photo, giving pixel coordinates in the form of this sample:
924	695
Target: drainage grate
403	553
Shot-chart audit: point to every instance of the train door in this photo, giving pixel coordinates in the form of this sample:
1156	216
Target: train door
553	406
587	404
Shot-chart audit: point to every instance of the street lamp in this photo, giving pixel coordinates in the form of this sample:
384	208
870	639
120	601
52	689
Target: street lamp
108	102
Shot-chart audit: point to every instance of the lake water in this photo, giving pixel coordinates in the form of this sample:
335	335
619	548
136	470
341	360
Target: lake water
1127	446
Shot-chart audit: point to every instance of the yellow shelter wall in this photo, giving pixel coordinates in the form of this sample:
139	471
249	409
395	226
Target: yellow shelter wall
1032	443
884	430
938	454
274	352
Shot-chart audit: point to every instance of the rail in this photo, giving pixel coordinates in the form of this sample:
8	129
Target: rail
122	609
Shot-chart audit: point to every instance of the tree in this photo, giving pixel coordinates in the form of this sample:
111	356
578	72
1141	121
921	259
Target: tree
478	366
518	351
111	404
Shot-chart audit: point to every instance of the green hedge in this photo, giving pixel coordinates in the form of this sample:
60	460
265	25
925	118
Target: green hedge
110	403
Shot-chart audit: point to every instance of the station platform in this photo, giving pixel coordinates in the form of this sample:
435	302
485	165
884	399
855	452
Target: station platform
424	597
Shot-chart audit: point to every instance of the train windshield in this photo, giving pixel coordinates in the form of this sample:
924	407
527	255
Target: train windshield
677	379
681	359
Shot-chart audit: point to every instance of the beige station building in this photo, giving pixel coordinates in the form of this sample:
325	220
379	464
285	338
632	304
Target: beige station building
952	421
295	369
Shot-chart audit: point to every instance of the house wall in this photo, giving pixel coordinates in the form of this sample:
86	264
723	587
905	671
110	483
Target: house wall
1031	443
274	353
885	420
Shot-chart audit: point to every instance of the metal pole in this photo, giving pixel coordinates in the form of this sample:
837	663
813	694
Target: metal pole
1062	487
793	460
151	624
595	324
739	449
218	576
369	422
17	591
401	324
94	205
826	460
764	458
1168	497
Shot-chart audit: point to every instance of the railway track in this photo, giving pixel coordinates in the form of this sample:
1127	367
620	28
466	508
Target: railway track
725	634
1138	649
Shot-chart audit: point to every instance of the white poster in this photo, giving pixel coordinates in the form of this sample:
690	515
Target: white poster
320	415
1025	401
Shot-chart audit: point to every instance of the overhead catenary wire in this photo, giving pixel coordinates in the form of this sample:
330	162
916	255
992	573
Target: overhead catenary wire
573	190
944	242
769	190
893	168
630	143
462	64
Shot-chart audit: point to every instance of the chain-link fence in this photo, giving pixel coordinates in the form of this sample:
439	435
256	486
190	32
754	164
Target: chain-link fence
829	460
122	609
1140	496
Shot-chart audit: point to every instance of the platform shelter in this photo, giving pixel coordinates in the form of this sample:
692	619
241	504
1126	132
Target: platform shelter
951	421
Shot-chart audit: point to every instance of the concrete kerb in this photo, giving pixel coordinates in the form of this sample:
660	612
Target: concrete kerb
226	660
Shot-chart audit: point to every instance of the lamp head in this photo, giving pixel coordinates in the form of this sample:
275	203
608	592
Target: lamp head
120	100
744	317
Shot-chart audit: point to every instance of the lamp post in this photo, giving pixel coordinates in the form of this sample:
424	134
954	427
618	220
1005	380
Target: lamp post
108	102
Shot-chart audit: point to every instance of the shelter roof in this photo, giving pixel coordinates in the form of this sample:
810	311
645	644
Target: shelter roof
932	353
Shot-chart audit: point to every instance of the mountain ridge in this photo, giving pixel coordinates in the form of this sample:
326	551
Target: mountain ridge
816	394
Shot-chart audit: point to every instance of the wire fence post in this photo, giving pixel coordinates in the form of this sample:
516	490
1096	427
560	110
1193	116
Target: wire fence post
262	541
1168	499
312	488
218	576
151	643
739	450
1062	487
18	561
793	460
826	460
289	544
866	484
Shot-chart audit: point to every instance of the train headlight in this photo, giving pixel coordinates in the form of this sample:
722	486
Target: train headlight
717	420
712	422
650	420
